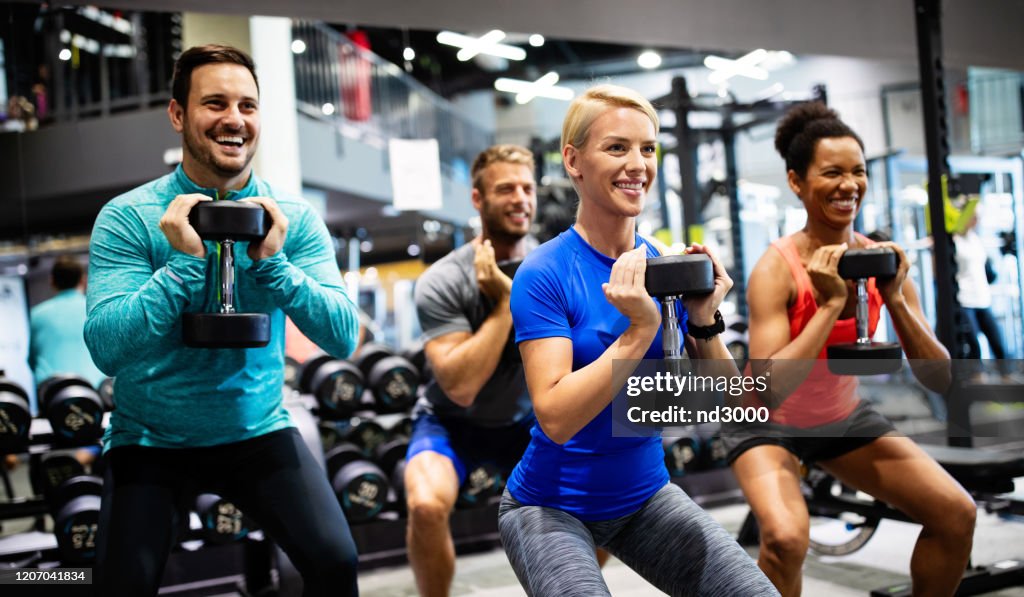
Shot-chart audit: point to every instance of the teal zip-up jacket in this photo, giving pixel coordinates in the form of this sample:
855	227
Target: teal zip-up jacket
172	396
55	338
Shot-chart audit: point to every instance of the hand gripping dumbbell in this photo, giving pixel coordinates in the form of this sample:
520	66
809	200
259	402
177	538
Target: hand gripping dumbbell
227	222
668	279
865	356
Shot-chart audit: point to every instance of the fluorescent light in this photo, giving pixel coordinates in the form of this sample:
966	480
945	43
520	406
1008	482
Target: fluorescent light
744	65
485	44
542	87
649	59
536	40
298	46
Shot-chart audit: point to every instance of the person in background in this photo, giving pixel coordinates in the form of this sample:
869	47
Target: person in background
56	343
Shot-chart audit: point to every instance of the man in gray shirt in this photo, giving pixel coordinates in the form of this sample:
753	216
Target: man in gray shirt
478	409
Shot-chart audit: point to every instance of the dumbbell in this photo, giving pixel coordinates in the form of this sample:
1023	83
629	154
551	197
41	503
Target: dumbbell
227	222
106	392
48	471
76	513
361	487
416	355
392	379
682	454
865	356
668	279
338	386
15	417
482	483
220	520
74	409
401	428
388	457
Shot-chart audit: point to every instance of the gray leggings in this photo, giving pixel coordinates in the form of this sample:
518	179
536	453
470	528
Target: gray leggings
670	541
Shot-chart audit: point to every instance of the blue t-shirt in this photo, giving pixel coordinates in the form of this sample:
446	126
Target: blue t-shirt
594	476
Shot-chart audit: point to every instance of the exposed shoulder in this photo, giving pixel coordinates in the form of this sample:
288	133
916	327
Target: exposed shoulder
771	278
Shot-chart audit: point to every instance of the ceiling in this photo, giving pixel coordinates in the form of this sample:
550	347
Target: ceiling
976	32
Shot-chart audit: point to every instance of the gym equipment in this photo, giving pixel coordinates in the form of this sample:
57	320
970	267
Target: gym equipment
15	417
511	350
227	222
337	385
401	428
481	484
361	487
76	514
393	380
74	409
682	454
668	279
49	471
221	521
865	356
291	372
416	355
106	392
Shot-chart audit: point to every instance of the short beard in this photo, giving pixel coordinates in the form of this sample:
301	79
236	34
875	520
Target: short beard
205	157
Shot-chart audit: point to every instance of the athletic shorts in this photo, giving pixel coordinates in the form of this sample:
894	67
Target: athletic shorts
469	446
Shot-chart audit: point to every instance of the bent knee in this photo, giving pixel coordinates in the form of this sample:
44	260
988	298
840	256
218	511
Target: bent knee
787	544
427	511
956	518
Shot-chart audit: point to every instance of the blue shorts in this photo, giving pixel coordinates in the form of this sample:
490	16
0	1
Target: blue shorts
469	446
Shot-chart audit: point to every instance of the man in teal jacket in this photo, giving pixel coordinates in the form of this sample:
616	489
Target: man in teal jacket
211	419
56	344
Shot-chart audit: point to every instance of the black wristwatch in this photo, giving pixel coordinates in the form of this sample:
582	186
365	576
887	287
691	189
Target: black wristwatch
706	332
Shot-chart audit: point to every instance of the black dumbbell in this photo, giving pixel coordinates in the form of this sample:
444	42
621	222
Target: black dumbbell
417	355
511	350
220	520
227	222
106	392
865	356
15	417
388	456
682	454
50	470
76	514
338	386
401	428
361	487
668	279
482	483
393	380
74	409
368	434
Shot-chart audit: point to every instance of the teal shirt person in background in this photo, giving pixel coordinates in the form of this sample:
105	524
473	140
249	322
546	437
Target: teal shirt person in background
56	343
193	420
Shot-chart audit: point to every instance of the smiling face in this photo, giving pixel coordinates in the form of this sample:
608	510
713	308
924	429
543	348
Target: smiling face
833	188
507	202
617	163
220	126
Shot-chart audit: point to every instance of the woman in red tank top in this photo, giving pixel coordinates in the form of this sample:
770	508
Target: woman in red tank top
798	306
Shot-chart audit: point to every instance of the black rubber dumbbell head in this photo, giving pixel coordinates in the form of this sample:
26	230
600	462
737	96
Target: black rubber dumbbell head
15	417
229	220
52	470
75	519
682	454
225	330
74	409
368	355
221	521
859	264
481	483
360	485
394	382
390	453
676	275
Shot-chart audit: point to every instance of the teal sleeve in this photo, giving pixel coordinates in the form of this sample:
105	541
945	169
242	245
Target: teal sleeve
128	303
306	284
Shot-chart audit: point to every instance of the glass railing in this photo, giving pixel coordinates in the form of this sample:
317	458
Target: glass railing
339	82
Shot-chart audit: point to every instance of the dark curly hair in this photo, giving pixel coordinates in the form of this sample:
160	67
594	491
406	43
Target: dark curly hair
802	127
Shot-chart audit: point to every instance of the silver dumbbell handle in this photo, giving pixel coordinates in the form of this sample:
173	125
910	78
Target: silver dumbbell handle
862	312
227	276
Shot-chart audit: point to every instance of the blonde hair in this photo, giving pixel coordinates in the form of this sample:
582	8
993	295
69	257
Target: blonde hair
585	109
510	154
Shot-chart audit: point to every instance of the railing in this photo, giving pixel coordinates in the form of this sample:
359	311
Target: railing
340	82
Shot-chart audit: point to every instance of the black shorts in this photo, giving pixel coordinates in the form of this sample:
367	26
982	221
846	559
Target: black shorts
824	442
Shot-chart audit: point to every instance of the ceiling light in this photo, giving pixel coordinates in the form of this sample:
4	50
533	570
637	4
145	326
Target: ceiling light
536	40
485	44
327	108
408	53
298	46
64	55
746	65
413	250
542	87
649	59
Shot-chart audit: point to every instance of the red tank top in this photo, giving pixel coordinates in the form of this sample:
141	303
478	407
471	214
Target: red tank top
823	398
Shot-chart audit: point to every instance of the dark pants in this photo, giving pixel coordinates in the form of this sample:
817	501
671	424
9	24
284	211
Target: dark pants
272	478
983	321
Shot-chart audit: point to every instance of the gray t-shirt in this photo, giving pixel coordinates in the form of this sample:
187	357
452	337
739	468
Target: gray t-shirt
448	300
